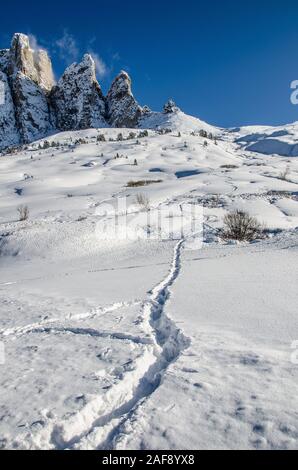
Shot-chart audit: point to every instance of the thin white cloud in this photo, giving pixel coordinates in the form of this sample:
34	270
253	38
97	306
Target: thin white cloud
36	46
101	68
116	56
67	48
34	43
69	51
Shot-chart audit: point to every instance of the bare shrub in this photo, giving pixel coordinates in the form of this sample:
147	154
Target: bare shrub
229	167
131	135
143	201
143	133
23	212
285	174
239	225
135	184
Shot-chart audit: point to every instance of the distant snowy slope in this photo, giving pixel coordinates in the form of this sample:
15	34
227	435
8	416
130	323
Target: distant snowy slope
281	140
177	121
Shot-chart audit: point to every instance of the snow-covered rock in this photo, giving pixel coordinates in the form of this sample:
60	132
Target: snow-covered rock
31	108
35	64
4	58
30	78
44	69
9	134
122	108
22	57
77	100
170	107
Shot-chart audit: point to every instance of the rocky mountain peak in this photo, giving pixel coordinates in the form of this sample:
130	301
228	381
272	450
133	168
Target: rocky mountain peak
34	64
85	68
121	85
22	57
122	108
77	100
27	78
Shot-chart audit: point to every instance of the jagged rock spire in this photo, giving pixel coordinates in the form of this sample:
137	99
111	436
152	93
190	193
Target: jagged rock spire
122	108
28	79
22	57
77	100
34	64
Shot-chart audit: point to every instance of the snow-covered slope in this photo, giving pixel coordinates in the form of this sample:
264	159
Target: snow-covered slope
281	140
129	340
176	121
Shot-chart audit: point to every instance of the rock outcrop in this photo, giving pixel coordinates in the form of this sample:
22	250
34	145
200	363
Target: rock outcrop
22	58
4	59
31	108
44	69
31	78
9	134
170	107
34	64
77	100
122	108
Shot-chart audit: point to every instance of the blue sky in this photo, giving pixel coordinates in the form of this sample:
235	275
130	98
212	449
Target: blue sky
227	62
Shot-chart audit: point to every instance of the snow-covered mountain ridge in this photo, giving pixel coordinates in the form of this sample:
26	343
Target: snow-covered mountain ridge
35	106
269	140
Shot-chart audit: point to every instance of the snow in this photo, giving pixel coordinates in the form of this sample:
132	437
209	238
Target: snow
176	121
235	386
140	342
281	140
